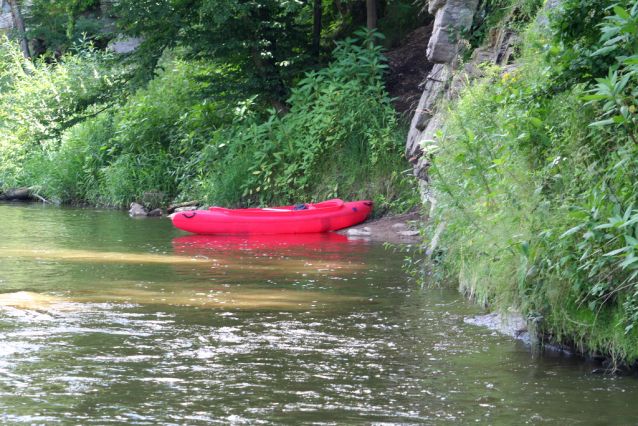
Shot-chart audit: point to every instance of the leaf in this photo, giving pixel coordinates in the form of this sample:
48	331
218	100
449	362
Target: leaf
470	136
631	60
523	248
621	12
631	240
601	123
572	231
594	97
628	261
604	50
621	84
523	136
536	121
619	119
628	213
617	251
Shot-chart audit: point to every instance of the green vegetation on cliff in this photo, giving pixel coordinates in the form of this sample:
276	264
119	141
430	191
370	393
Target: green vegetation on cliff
535	178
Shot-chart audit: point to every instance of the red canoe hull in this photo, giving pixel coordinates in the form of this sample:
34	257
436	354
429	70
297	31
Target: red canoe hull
322	217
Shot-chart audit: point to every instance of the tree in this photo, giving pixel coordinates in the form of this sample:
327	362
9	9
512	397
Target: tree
372	22
259	47
18	23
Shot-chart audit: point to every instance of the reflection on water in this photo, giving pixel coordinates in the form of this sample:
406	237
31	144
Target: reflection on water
108	320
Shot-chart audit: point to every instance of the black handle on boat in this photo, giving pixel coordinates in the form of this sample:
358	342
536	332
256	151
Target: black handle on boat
187	216
369	204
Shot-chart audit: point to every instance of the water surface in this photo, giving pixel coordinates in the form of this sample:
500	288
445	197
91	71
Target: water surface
106	319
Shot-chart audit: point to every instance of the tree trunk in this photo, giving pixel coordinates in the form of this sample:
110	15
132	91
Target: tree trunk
18	23
316	28
341	8
373	20
281	108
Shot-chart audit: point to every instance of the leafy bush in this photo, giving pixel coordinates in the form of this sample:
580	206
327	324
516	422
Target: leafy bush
169	142
342	124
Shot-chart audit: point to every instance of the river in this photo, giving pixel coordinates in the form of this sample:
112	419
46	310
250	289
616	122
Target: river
110	320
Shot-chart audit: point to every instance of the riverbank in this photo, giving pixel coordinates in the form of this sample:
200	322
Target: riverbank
521	169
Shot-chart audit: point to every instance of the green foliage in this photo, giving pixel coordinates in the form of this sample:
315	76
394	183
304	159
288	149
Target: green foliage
340	140
399	18
339	112
59	25
168	142
43	100
261	46
576	36
510	14
538	193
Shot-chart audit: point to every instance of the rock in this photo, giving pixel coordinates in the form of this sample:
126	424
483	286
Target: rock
185	209
400	225
426	120
450	17
359	233
172	208
21	194
511	323
123	44
6	21
156	212
137	210
409	233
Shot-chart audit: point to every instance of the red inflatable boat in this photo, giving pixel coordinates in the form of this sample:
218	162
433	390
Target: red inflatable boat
305	218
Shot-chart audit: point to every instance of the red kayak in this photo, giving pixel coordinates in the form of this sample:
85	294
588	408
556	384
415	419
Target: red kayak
305	218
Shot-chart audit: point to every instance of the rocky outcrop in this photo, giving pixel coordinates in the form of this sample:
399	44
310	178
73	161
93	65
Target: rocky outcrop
452	18
6	21
445	80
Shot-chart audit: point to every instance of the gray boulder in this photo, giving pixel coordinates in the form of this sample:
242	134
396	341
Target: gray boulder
451	19
137	210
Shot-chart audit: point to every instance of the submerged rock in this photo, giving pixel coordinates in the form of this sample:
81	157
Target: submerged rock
511	323
365	232
137	210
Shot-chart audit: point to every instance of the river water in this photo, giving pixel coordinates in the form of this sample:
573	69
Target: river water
110	320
